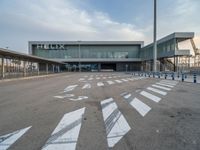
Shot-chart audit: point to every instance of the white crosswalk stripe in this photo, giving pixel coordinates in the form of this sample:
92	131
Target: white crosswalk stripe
163	84
90	78
7	140
100	84
118	81
111	82
141	107
150	96
70	88
127	96
168	82
157	91
115	123
161	87
124	80
65	135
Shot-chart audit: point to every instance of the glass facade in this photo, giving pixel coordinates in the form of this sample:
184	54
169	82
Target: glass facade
89	51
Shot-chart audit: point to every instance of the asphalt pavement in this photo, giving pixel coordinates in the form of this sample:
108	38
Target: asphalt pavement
99	111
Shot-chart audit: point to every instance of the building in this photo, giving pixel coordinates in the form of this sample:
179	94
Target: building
119	55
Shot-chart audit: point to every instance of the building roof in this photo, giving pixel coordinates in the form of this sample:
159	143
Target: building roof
9	53
89	42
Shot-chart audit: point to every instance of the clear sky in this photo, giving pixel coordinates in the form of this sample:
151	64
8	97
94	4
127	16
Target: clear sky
25	20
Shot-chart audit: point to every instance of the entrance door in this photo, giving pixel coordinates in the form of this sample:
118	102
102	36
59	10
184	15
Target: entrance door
108	67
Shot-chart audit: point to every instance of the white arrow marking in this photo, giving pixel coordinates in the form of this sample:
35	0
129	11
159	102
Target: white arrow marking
116	124
7	140
70	88
79	98
86	86
65	135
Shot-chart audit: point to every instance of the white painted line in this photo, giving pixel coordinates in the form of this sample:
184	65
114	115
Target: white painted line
79	98
131	79
157	91
163	84
66	95
86	86
110	77
141	107
104	77
124	80
81	79
65	135
115	123
90	78
150	96
127	96
111	82
70	88
161	87
169	82
118	81
7	140
85	76
97	78
100	84
124	93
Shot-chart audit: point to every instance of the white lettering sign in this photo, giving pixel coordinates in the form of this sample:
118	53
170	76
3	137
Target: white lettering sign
51	46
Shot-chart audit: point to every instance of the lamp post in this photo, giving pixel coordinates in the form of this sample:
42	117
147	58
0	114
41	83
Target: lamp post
154	38
79	55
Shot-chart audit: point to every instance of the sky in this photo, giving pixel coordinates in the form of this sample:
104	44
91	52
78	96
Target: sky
59	20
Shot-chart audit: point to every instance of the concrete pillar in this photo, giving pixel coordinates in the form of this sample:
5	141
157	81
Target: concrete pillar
47	68
53	68
24	68
38	68
3	68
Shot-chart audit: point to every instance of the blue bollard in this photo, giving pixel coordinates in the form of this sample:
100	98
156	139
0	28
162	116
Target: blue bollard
195	78
172	76
153	75
182	77
178	75
158	75
165	76
149	75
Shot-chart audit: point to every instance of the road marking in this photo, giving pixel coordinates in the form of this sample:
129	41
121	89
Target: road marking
81	79
104	77
127	96
115	123
131	79
66	95
110	77
118	81
97	78
171	86
100	84
161	87
70	88
111	82
65	135
157	91
7	140
169	82
86	86
150	96
124	80
79	98
90	79
85	76
141	107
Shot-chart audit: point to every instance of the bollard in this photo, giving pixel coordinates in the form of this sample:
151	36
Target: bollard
153	75
185	76
165	76
195	78
158	75
149	75
182	77
145	75
172	76
178	75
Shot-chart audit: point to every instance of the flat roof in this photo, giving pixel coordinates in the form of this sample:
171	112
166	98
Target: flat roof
10	53
90	42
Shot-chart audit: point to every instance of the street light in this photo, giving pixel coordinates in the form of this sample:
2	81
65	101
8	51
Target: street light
79	55
154	38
